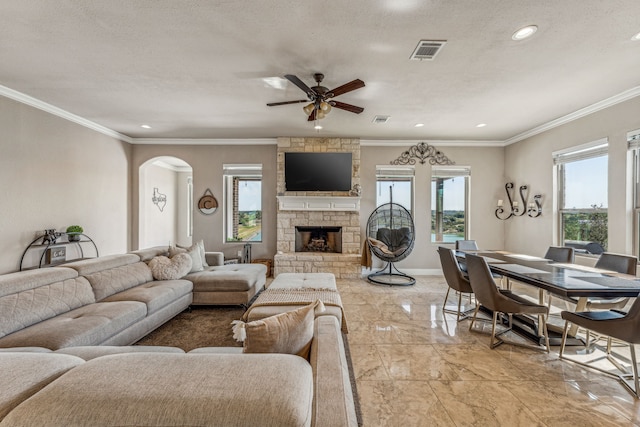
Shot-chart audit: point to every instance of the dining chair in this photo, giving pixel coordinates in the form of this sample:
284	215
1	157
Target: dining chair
614	324
504	301
625	264
561	254
466	245
456	280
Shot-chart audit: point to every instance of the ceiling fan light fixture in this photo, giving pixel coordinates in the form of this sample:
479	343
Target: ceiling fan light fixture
308	109
320	114
325	107
524	32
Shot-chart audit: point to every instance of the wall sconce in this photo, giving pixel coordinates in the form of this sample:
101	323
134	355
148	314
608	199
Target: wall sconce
159	199
533	209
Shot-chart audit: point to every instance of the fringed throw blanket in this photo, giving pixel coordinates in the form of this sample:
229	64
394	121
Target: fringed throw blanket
298	296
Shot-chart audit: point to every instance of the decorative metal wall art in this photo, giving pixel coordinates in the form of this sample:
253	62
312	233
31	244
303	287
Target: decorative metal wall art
159	199
207	203
422	151
533	209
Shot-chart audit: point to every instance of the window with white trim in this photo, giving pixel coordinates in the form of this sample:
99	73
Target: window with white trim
243	203
583	197
449	203
396	182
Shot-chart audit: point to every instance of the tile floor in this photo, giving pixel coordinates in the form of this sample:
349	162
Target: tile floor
415	367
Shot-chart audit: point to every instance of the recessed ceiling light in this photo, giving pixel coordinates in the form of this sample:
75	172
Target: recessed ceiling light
481	125
145	126
317	127
524	32
418	125
636	37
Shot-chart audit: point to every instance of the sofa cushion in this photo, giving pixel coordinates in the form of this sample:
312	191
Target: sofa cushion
229	278
155	295
95	265
156	389
290	332
88	325
24	374
147	254
164	268
119	278
33	296
89	352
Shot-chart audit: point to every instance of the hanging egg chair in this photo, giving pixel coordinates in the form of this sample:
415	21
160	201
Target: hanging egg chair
390	237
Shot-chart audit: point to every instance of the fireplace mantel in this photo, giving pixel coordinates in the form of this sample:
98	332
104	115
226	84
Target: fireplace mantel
319	203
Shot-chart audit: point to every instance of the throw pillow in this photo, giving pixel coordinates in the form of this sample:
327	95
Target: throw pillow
290	332
380	245
163	268
193	252
200	245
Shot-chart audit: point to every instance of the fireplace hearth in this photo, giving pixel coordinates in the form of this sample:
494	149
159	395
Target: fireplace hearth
318	239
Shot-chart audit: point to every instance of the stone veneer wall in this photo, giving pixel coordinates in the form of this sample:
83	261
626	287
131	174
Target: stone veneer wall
345	265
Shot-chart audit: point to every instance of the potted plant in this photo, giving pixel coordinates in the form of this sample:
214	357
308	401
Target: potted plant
74	232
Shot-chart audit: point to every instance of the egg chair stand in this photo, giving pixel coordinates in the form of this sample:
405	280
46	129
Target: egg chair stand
390	237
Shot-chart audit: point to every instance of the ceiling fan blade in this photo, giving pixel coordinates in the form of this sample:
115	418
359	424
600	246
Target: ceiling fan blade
347	107
347	87
273	104
312	116
296	81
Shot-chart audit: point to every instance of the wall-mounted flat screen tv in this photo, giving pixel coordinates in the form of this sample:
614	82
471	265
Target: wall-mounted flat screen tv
317	171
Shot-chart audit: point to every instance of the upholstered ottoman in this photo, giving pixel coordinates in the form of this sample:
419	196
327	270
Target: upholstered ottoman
299	289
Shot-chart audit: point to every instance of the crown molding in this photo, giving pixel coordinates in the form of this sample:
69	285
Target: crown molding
51	109
439	142
600	105
204	141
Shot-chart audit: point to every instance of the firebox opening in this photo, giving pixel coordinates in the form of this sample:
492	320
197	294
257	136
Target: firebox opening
319	239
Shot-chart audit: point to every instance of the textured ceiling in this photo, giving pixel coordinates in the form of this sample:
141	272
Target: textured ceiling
198	69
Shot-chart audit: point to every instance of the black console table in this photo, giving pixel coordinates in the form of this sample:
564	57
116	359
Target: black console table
54	249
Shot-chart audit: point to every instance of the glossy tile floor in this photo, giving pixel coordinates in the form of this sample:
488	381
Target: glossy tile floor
415	367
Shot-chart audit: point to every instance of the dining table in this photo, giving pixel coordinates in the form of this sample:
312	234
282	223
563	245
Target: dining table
570	282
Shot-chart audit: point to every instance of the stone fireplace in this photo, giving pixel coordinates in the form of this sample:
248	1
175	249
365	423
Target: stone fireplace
298	212
319	239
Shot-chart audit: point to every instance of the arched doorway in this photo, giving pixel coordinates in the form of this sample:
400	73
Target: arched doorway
165	204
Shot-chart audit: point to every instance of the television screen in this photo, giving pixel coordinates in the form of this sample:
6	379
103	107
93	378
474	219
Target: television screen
317	171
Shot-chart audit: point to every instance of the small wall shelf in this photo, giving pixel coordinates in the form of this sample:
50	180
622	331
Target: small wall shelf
56	257
321	203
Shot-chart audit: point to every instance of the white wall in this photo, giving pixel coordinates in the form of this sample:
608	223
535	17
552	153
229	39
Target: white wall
486	164
206	162
158	227
530	162
55	173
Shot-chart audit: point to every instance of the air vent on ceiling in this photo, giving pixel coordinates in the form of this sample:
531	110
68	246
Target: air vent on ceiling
381	119
427	49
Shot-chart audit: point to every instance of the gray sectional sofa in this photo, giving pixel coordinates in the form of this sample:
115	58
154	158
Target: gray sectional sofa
218	284
111	300
115	386
65	359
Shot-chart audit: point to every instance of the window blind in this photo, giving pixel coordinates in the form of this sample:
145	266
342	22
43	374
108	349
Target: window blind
583	152
450	171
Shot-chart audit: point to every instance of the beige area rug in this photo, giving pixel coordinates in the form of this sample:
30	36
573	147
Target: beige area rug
203	326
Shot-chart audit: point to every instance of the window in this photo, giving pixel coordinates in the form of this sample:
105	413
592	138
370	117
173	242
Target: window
449	203
582	197
634	145
396	181
243	203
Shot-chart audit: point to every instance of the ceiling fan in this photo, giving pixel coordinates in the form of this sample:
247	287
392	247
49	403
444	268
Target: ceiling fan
321	97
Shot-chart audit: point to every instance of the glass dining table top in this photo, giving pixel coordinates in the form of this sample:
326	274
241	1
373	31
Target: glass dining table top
568	280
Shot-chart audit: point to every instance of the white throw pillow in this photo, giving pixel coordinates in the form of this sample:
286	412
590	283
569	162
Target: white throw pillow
200	245
163	268
194	252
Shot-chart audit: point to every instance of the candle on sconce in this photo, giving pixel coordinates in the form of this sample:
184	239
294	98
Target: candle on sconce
515	204
500	203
